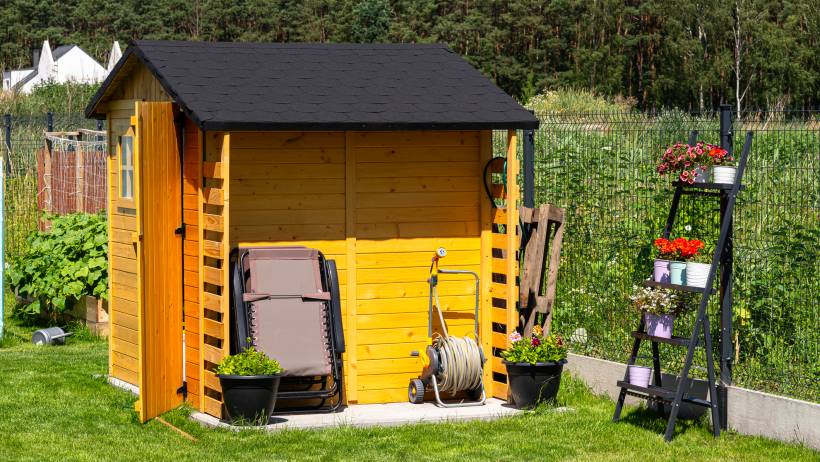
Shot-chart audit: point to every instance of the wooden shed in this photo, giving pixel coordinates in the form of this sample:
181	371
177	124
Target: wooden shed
373	154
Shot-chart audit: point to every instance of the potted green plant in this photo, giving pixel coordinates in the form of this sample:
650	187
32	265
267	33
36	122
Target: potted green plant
250	382
659	307
534	366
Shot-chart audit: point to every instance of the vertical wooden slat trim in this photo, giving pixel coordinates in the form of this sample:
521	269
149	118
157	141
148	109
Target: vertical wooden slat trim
111	302
137	158
511	225
485	154
226	248
351	377
200	258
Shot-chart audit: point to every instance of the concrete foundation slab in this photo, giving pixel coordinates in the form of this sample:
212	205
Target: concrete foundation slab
367	415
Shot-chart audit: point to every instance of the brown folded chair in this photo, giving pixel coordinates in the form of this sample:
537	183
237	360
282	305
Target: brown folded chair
289	298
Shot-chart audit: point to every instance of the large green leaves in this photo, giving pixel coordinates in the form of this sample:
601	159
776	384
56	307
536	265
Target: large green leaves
61	265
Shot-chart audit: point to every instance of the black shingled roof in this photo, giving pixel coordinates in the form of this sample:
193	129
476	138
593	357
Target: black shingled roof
285	86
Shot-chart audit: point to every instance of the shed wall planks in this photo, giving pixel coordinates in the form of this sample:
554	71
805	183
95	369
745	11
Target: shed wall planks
380	204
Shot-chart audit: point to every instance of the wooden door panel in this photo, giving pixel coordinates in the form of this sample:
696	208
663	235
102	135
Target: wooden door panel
160	204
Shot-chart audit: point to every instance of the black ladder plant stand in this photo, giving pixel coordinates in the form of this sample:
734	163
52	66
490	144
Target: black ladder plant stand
656	392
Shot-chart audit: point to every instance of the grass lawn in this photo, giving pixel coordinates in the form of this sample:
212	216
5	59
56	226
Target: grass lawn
55	405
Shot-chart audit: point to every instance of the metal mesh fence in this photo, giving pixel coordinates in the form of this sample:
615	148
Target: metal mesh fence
24	148
601	168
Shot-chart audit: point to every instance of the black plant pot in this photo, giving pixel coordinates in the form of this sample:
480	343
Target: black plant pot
531	384
695	388
249	399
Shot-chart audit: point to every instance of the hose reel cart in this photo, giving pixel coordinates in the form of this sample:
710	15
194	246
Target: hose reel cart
451	364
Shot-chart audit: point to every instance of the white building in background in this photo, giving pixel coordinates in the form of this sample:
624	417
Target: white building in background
67	63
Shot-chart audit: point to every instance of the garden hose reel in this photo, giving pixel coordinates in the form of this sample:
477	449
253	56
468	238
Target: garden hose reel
450	364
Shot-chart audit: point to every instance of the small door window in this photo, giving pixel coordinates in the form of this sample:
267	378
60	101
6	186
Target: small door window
127	166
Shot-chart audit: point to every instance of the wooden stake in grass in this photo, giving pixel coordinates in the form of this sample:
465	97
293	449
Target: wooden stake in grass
178	430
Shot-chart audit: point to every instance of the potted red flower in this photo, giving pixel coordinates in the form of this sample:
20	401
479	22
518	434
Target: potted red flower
697	268
678	251
677	267
666	252
723	168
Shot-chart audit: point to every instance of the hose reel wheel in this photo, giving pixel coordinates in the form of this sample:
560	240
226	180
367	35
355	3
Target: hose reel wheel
415	392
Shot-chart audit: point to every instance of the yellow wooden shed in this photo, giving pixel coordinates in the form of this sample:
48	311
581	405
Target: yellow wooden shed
373	154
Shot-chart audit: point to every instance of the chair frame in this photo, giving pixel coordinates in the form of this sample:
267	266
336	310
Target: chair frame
299	388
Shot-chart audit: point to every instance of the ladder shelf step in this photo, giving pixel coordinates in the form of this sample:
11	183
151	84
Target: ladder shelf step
650	391
666	285
677	341
713	186
659	394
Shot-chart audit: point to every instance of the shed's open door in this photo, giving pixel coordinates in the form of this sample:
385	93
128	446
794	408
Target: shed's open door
159	196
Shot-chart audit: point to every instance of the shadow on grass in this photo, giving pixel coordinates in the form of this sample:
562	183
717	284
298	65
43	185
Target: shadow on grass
653	421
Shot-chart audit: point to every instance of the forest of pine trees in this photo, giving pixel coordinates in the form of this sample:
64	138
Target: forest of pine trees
691	54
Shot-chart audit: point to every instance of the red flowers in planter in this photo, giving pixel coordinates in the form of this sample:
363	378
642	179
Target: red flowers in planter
679	248
688	248
665	248
718	155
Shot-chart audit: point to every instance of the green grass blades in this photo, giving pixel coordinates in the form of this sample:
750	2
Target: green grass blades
55	403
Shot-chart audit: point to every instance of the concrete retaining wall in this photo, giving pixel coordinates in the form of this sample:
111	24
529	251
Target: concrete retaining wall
750	412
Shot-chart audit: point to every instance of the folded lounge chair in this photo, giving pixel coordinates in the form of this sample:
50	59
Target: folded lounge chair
286	300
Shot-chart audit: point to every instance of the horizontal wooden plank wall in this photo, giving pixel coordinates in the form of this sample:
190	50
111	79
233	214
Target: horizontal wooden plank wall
122	256
504	265
414	192
214	249
289	188
191	191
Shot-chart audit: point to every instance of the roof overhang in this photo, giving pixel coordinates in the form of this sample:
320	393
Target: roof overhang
132	57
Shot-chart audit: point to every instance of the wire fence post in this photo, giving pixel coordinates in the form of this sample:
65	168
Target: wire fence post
2	249
7	131
726	266
529	168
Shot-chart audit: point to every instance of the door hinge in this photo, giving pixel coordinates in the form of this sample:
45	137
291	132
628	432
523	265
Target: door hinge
180	231
183	390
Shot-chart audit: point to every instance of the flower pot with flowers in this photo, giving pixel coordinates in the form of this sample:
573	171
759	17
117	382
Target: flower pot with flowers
534	367
688	162
666	253
697	267
678	250
723	165
659	307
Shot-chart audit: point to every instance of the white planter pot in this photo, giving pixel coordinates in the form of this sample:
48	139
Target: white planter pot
703	175
697	274
639	375
724	174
